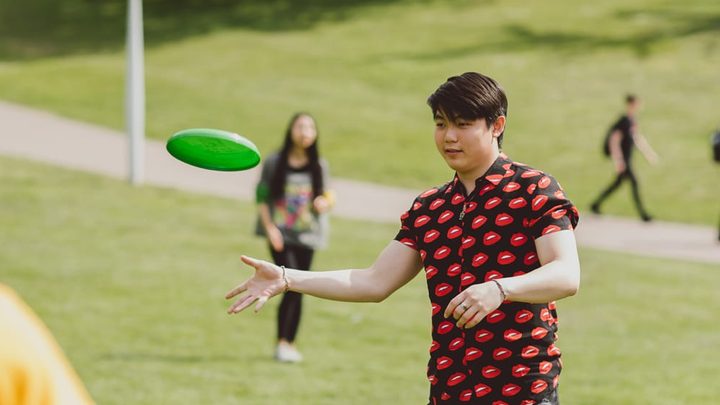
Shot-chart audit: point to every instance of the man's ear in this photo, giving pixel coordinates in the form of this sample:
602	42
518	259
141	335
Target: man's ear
498	126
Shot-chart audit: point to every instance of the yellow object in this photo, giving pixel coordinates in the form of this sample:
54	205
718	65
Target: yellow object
330	196
33	368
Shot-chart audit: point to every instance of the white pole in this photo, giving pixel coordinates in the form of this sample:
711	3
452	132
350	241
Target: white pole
135	91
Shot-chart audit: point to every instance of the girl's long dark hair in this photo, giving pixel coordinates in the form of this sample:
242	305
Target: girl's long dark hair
277	183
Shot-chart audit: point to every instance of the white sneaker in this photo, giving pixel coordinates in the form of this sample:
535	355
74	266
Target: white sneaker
287	354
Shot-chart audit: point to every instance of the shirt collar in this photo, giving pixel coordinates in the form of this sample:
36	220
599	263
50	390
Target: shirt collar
494	174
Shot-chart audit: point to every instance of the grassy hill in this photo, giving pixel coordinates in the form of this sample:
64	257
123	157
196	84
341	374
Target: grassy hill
131	282
365	68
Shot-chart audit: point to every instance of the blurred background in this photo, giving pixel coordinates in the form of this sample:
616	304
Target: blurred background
130	280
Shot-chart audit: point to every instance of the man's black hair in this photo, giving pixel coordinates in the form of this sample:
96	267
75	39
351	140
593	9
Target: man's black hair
470	96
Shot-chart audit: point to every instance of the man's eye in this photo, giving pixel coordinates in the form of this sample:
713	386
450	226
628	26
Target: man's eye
439	124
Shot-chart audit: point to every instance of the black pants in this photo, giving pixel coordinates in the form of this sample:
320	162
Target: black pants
629	175
295	257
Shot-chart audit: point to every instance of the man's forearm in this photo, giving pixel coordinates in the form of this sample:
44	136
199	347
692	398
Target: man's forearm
352	285
553	281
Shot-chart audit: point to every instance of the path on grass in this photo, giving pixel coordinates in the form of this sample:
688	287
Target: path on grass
38	135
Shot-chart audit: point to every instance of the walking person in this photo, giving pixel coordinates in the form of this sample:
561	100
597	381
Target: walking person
498	248
292	199
622	138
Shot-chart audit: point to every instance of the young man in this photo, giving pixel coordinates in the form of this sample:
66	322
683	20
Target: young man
623	137
498	249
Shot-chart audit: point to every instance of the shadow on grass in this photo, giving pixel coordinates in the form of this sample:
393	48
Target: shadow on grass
664	26
38	28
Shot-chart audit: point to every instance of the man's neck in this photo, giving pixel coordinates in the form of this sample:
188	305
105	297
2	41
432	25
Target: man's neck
468	178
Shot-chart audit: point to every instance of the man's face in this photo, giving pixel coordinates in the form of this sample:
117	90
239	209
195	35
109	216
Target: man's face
467	145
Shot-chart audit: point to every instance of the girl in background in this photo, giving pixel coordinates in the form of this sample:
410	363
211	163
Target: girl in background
292	198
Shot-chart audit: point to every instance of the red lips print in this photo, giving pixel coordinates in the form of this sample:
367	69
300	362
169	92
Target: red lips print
456	343
517	203
434	346
545	367
445	327
538	333
550	229
490	371
465	396
531	188
454	232
503	219
421	220
478	221
435	308
484	336
518	239
495	316
494	178
510	187
456	379
481	390
467	279
501	353
457	199
472	353
511	335
443	289
470	207
479	259
445	216
530	258
436	204
416	205
553	350
429	192
431	236
505	258
544	182
545	314
539	201
520	370
528	352
538	386
530	173
442	253
468	242
509	173
444	362
491	238
557	214
454	270
523	316
493	275
408	242
510	390
430	272
486	188
445	396
433	379
492	203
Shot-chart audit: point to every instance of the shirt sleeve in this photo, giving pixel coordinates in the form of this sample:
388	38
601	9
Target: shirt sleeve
550	209
407	235
262	190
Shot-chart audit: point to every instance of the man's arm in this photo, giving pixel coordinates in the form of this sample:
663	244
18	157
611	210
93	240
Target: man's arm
645	148
616	151
557	277
396	265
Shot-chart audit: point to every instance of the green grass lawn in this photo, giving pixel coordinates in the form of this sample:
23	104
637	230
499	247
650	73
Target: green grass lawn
365	68
131	280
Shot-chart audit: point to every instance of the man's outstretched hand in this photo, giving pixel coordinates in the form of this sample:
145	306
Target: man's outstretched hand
264	284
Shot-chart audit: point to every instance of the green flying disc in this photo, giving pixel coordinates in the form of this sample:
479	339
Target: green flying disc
213	149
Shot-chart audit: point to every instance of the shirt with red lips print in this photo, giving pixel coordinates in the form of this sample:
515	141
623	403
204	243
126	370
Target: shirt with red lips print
510	356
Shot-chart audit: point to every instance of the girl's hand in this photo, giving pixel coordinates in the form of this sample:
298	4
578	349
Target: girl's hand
321	204
275	237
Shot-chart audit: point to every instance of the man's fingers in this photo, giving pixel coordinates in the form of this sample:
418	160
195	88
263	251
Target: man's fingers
237	290
260	302
465	316
450	309
241	304
250	261
474	320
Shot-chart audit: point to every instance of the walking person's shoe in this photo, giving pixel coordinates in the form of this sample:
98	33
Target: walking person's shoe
595	208
646	217
287	353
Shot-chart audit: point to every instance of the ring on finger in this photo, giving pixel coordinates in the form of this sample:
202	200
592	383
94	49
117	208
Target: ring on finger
464	307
